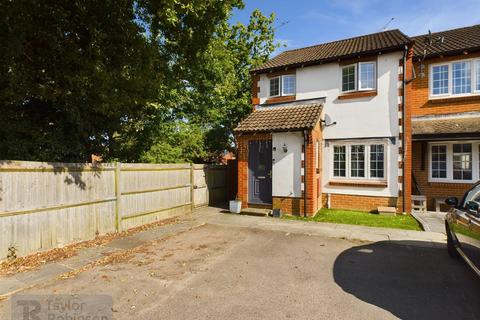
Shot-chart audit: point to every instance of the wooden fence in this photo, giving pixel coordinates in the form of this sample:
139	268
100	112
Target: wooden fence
48	205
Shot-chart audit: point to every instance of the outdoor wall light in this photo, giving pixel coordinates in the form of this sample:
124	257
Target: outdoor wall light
285	149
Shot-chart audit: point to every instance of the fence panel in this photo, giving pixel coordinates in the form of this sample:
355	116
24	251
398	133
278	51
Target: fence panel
48	205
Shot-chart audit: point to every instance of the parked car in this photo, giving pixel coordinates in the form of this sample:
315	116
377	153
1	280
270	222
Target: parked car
462	226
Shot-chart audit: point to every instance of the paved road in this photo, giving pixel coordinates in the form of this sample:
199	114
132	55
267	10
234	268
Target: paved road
221	271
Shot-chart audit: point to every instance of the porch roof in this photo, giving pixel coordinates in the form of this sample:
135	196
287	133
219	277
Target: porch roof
446	126
285	118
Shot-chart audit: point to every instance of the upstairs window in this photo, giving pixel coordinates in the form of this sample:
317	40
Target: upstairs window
477	75
440	79
288	85
348	78
275	87
359	76
460	78
283	86
367	76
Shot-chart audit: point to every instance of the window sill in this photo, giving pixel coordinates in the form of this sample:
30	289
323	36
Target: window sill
352	183
449	183
281	99
449	99
357	94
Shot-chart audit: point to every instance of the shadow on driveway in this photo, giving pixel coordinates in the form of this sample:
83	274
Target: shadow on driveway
412	280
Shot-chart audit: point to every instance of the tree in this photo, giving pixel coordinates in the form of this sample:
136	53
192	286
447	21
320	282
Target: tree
81	77
217	95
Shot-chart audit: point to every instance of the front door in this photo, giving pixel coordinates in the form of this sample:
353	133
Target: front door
260	171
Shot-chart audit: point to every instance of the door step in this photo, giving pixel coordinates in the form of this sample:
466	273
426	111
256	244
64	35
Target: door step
387	211
256	212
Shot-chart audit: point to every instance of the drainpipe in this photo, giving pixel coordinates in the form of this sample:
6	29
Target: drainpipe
404	83
305	140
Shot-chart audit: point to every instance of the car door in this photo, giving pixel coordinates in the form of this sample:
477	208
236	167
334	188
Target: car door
465	224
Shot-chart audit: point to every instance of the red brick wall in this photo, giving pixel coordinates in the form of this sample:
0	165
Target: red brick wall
290	205
312	176
356	202
242	163
433	190
421	105
406	137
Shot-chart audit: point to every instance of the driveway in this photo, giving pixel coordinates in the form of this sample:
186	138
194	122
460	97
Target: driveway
224	271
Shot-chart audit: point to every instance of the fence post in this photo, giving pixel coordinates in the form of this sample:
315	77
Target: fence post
118	197
192	190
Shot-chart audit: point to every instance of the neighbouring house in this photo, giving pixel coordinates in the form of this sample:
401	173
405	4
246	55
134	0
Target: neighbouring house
327	128
445	109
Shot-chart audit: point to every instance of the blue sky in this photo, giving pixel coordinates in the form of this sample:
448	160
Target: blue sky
311	22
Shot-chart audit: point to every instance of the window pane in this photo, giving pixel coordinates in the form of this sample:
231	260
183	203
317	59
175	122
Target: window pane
275	87
462	161
440	79
288	85
348	78
357	161
461	77
477	75
339	161
367	75
439	162
376	161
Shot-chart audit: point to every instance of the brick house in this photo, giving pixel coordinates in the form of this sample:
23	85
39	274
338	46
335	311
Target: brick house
355	123
445	106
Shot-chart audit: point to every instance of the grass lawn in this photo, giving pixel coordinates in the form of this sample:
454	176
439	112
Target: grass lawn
361	218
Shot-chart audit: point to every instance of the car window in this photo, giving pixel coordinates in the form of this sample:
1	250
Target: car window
472	195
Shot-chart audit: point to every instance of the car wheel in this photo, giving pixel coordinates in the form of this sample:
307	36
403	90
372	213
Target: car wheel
452	251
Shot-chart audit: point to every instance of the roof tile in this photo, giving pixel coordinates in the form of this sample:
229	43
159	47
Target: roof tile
454	41
285	118
366	44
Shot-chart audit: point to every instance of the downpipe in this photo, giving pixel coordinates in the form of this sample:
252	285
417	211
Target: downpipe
305	140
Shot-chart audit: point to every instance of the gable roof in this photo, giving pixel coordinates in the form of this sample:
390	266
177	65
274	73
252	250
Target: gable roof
386	41
456	41
287	118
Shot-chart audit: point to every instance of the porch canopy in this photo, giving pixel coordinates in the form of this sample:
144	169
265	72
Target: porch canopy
466	126
282	118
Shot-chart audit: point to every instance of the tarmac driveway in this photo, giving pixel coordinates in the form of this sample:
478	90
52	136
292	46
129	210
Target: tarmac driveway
227	272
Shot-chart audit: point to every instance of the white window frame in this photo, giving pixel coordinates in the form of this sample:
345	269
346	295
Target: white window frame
280	86
449	179
355	82
270	87
374	76
294	84
367	145
450	94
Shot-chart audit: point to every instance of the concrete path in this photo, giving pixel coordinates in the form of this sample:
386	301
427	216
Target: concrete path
432	221
211	216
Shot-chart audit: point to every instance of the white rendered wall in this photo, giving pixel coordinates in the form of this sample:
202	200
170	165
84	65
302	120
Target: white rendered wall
286	173
370	117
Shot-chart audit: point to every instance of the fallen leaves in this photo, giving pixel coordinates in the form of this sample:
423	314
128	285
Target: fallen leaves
36	260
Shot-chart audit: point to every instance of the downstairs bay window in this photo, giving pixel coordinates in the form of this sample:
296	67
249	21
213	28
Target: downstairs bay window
362	161
457	162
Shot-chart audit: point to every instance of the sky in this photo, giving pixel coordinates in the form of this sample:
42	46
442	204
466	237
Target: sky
302	23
